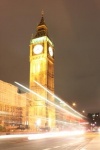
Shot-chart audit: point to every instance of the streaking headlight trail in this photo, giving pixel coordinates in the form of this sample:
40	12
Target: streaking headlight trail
55	134
51	103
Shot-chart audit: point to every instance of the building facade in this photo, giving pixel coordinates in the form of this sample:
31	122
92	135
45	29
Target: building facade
12	106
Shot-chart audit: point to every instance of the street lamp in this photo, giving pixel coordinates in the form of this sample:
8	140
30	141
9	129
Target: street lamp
83	111
74	104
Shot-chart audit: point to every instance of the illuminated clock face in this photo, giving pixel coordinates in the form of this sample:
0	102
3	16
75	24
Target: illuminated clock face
38	49
50	51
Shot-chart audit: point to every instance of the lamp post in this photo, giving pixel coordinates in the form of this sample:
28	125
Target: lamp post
83	111
74	104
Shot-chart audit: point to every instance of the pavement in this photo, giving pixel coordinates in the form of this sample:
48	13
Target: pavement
94	144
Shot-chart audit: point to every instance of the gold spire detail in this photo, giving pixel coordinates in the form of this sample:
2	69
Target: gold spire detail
42	12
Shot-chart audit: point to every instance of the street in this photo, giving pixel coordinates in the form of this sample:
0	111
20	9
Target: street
78	142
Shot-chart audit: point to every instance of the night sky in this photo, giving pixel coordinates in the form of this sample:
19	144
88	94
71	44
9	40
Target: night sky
74	28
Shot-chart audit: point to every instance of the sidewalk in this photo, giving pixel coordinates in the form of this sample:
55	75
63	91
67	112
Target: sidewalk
94	144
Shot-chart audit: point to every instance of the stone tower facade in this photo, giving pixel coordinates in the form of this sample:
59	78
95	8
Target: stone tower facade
42	72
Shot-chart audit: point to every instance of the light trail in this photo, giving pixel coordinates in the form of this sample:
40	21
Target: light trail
35	116
55	134
14	136
51	103
58	98
44	135
64	122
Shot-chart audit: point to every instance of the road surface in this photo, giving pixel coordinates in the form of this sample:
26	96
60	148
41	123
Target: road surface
89	141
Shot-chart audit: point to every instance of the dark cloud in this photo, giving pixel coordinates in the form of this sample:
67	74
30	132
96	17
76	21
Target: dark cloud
74	27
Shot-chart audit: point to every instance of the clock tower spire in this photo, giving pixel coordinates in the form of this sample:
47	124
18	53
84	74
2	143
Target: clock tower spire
42	29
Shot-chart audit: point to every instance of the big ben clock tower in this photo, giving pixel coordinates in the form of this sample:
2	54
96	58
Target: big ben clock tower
42	71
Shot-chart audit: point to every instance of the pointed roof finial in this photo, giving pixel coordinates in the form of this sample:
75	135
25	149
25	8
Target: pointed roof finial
42	22
42	12
42	29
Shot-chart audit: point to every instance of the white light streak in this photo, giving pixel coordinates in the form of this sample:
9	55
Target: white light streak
43	135
55	134
13	136
51	103
60	100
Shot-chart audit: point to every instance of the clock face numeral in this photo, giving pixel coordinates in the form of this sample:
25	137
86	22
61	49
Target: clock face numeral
38	49
50	51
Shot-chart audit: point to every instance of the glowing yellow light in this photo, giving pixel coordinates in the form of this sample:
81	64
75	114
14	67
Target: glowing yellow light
74	104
